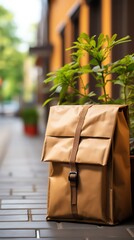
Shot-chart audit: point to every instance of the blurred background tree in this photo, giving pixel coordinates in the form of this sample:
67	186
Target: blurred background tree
11	58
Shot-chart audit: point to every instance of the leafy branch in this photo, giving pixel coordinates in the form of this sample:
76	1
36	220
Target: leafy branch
65	81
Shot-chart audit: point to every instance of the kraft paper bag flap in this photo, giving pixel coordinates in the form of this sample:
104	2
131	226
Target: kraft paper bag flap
96	135
99	121
91	150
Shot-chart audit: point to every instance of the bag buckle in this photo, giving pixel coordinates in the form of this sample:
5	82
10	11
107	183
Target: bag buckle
73	176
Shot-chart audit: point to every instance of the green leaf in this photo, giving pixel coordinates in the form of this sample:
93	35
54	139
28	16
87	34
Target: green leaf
101	40
97	69
99	85
50	79
114	37
93	43
85	37
47	101
119	83
130	67
63	92
54	87
123	40
93	61
91	94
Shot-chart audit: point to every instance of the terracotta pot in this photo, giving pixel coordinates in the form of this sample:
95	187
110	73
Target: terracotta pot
132	180
30	129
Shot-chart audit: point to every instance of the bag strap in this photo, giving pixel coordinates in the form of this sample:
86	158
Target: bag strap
73	175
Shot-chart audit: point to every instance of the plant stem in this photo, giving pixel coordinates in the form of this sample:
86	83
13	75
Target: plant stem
83	86
104	84
77	91
125	94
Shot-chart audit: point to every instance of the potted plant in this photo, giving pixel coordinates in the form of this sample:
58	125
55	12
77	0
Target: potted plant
66	79
30	117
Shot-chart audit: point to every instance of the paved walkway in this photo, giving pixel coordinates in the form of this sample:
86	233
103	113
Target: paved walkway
23	194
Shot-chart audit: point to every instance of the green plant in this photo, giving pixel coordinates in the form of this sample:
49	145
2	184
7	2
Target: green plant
66	79
29	115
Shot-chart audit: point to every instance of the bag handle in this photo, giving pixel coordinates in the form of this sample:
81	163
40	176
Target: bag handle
73	175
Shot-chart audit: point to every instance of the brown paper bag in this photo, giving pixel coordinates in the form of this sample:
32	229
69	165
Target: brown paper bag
88	151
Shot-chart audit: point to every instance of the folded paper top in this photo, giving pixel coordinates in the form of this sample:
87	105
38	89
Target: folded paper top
99	121
96	135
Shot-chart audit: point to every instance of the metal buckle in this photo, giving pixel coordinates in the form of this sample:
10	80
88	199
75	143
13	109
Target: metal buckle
72	176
